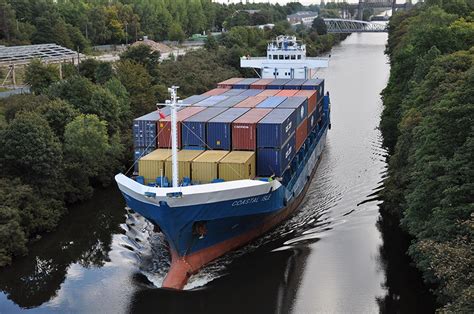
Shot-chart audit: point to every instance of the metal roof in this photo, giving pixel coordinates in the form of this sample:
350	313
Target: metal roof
45	52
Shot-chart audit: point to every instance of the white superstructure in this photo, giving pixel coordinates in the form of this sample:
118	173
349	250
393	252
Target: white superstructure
286	59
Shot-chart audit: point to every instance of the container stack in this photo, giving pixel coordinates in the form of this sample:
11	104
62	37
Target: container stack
244	128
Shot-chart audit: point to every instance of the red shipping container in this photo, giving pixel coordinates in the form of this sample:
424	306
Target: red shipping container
250	102
312	98
164	126
269	92
301	134
287	92
244	129
216	91
229	83
261	84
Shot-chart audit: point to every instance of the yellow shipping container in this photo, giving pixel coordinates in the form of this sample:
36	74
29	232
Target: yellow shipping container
205	168
185	157
152	165
237	165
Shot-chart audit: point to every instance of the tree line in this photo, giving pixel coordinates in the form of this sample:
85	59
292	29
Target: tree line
80	24
427	124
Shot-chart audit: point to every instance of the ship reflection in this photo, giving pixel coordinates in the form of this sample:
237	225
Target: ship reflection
83	237
257	282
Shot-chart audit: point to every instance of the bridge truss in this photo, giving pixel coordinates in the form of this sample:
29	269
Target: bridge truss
354	26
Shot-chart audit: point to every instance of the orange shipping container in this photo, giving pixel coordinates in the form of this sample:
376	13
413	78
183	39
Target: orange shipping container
216	91
287	92
250	102
269	92
261	84
312	98
164	126
301	134
229	83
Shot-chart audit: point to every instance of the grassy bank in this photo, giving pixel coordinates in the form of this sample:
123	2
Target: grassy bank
427	124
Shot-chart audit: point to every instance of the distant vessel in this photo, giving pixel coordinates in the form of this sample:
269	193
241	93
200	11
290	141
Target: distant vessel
282	131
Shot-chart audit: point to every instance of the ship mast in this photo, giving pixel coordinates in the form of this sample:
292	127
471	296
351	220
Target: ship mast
174	134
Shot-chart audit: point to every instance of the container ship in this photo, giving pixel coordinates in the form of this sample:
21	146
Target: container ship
215	171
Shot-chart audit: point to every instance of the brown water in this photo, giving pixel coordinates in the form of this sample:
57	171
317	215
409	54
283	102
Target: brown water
338	254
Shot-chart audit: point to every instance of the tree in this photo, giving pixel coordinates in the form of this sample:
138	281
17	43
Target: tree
40	76
176	32
12	238
103	72
143	55
58	113
211	43
88	67
85	151
29	150
319	26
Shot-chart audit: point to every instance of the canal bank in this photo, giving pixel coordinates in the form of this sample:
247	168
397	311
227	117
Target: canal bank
337	254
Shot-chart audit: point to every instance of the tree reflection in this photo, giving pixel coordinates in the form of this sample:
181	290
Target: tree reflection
84	236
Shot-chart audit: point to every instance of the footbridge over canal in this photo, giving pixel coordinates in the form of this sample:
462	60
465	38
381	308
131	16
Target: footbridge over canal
354	26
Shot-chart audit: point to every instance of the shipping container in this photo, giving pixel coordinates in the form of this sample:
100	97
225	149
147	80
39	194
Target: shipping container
219	129
250	102
245	84
205	167
287	92
313	120
275	129
194	128
233	92
295	84
144	130
193	99
277	84
315	84
301	134
164	126
312	98
211	101
300	104
261	84
237	165
271	102
216	91
229	83
185	158
274	161
152	165
230	102
244	129
269	92
251	92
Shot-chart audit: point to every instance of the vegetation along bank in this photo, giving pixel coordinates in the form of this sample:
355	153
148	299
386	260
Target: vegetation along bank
72	135
427	124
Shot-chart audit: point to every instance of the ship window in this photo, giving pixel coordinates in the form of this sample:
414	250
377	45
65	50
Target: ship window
287	57
299	56
280	57
293	57
275	57
269	56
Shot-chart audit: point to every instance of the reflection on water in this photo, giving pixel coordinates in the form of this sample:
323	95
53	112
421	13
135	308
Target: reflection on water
336	254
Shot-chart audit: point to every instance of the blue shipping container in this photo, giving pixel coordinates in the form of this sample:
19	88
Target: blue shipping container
315	84
211	101
313	120
277	84
194	99
274	161
230	102
251	92
271	102
193	129
233	92
294	84
298	103
144	129
275	129
245	84
219	128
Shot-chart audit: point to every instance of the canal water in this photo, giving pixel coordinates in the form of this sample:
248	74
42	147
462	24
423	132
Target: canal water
337	254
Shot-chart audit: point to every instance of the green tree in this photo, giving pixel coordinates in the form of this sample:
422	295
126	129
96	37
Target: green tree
88	67
29	150
58	113
40	76
104	72
319	26
176	32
